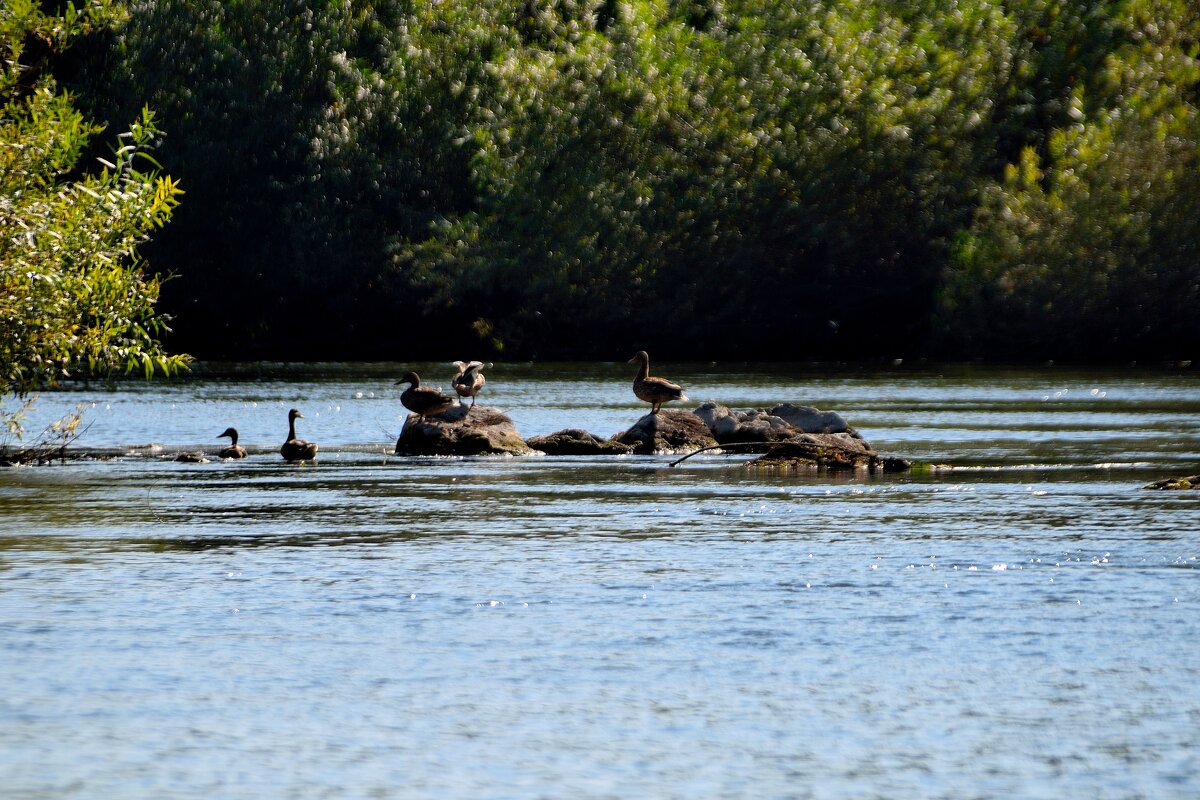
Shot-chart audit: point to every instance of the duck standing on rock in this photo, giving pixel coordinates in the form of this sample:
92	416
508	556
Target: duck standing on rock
469	379
654	391
423	400
297	449
233	450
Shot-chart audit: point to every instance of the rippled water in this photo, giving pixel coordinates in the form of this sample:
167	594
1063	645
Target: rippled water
1024	625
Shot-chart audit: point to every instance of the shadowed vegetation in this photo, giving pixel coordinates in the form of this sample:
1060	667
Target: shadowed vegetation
709	179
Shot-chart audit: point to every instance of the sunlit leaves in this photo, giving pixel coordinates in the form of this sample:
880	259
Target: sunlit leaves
73	294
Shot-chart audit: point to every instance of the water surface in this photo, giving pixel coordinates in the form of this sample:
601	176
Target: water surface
1023	625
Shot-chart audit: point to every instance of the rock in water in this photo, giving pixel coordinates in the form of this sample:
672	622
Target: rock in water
577	442
810	420
719	419
833	451
461	431
781	423
1189	483
669	432
797	437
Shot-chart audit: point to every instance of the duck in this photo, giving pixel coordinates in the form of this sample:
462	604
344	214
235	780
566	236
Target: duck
469	379
654	391
423	400
234	450
297	449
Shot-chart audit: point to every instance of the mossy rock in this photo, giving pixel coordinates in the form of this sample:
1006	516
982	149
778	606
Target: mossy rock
577	442
823	451
669	432
1176	484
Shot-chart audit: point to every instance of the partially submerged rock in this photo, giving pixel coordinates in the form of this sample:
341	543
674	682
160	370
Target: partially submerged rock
668	432
577	442
795	437
827	451
1176	484
461	431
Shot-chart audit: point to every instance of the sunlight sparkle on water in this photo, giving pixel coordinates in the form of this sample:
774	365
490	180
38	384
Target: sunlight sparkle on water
338	678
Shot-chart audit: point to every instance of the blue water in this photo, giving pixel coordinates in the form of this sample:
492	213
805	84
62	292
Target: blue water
1021	625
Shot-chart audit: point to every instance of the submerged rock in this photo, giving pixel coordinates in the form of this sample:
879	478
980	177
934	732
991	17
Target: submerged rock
577	442
461	431
668	432
1176	484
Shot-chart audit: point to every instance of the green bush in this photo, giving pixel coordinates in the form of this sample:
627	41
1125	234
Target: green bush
74	294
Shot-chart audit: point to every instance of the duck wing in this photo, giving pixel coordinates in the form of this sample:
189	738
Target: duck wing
657	390
426	400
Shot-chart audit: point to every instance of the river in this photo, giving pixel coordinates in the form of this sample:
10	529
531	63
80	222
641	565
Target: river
1024	624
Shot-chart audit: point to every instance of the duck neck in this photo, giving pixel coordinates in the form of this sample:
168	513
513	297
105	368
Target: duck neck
643	369
291	429
233	439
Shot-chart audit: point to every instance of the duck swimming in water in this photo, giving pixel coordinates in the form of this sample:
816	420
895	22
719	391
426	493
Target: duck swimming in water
233	450
654	391
469	379
423	400
297	449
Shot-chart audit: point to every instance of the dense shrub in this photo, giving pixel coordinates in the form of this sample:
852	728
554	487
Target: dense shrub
757	178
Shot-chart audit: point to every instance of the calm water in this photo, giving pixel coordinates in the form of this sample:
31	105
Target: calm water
1025	625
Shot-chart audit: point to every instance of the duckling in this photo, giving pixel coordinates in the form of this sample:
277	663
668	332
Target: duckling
233	451
654	391
469	379
297	449
423	400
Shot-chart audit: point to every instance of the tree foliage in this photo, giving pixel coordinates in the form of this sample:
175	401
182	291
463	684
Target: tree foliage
73	292
1089	248
708	178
